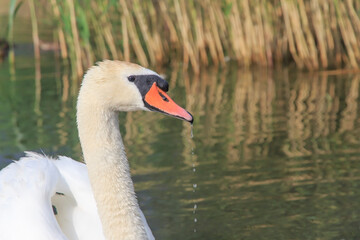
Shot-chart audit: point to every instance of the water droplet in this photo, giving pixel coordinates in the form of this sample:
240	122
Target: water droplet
194	185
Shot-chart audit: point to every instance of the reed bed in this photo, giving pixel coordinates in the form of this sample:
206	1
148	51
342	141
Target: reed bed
313	34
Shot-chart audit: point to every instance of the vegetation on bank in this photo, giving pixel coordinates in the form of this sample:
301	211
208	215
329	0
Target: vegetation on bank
314	34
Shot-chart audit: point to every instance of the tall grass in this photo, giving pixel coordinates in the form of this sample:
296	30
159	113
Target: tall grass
313	34
13	9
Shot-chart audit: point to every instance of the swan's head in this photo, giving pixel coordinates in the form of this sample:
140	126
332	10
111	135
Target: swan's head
123	86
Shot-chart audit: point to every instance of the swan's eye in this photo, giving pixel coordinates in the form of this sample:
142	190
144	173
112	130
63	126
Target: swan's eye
145	82
131	78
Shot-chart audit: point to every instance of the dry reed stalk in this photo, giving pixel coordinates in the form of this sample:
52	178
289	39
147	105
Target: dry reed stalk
144	29
326	23
183	32
280	48
289	34
125	39
200	38
192	14
353	23
335	33
237	37
215	33
167	31
87	52
345	30
139	51
35	32
76	41
110	39
209	41
107	29
186	35
268	34
260	41
99	39
249	30
222	28
302	47
310	42
156	30
211	45
88	55
61	36
221	22
193	53
320	31
174	39
353	16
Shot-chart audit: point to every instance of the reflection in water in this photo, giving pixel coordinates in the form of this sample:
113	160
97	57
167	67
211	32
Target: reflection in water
275	154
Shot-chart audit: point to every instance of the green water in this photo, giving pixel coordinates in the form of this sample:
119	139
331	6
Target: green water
275	154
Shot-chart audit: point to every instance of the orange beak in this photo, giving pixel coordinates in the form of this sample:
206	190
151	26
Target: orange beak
157	100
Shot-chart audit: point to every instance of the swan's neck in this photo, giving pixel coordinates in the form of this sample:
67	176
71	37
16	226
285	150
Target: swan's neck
109	173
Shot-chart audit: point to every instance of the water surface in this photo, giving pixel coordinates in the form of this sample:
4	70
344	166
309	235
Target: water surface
275	154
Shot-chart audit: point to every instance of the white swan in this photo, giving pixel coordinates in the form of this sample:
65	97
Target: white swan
41	198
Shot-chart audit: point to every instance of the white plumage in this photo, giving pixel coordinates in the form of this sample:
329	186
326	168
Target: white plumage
36	187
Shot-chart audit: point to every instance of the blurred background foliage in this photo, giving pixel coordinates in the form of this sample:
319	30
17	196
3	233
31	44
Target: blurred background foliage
311	34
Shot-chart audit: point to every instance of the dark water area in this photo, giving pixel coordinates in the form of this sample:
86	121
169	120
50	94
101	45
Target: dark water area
275	154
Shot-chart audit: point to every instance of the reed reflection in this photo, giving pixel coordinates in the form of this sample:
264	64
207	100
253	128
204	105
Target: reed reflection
254	107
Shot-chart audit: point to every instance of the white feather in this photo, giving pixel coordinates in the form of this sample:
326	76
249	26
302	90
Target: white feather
31	186
26	187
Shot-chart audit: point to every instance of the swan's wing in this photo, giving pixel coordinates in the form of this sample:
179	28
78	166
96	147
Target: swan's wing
80	217
147	228
26	187
35	188
74	202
